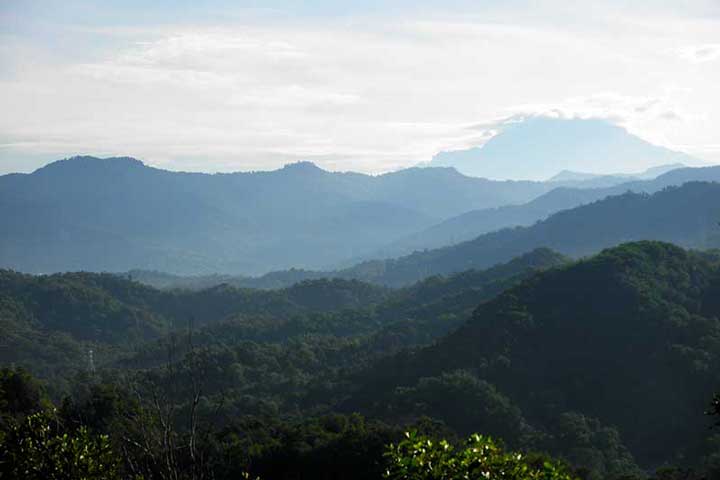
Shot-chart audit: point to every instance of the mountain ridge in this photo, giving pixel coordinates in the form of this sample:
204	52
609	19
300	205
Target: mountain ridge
571	176
477	222
575	232
71	213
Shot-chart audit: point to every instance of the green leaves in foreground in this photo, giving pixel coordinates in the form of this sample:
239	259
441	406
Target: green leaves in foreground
35	450
420	458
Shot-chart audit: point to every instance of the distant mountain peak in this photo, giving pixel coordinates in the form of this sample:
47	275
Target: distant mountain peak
538	147
130	161
87	161
430	171
302	167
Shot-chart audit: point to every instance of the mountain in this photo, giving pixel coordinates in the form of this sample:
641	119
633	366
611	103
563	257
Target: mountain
687	215
570	178
618	216
619	350
118	214
477	222
538	147
654	172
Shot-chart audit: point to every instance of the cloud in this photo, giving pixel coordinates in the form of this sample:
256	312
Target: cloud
611	106
651	117
700	53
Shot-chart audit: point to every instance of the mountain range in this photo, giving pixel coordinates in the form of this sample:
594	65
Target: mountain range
687	215
116	214
477	222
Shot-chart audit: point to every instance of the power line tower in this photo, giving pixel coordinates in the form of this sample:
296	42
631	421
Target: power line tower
91	361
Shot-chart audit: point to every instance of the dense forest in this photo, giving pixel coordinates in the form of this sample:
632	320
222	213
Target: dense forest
606	365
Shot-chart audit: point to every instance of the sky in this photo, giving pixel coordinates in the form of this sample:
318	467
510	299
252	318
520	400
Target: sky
369	86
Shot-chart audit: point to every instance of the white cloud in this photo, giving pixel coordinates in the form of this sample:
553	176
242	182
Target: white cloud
700	53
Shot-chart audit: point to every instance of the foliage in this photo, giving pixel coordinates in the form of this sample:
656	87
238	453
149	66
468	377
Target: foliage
328	446
20	393
714	409
36	449
421	458
463	401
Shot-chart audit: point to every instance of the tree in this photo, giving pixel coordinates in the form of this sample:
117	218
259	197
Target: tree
714	409
20	394
38	449
420	458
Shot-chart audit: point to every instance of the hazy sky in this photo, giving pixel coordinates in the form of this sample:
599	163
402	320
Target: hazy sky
360	85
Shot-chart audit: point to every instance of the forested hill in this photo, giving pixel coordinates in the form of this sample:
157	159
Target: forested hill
471	224
687	215
117	214
49	322
608	362
108	308
620	350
